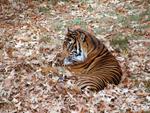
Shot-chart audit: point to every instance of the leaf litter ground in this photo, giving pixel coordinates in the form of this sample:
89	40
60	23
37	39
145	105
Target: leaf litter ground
31	35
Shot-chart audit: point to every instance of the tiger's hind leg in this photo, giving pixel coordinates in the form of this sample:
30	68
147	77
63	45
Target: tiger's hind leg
93	83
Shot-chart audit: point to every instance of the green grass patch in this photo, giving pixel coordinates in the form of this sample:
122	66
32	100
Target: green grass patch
148	48
90	8
135	36
120	42
49	40
146	111
123	20
86	1
46	39
135	17
100	30
43	9
147	85
58	24
65	0
77	21
145	26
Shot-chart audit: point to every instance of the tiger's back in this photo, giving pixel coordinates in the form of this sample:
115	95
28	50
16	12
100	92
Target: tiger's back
89	59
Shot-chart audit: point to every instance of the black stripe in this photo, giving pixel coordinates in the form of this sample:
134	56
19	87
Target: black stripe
92	40
79	48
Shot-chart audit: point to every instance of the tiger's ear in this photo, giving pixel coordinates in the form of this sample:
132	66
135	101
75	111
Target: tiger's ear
70	30
83	37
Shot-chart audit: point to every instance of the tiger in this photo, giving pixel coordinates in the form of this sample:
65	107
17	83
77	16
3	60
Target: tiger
90	60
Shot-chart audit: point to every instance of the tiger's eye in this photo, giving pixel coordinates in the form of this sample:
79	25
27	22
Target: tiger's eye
68	39
73	35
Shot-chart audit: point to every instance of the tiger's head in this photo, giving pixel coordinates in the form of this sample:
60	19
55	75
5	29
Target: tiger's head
77	45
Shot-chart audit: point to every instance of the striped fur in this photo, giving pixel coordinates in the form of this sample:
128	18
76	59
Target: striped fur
90	60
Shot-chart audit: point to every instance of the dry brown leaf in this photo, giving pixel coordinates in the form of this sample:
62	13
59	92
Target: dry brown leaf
126	82
83	110
1	55
49	69
1	45
121	10
143	94
10	51
8	82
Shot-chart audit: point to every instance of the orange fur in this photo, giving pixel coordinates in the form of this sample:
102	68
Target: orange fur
90	60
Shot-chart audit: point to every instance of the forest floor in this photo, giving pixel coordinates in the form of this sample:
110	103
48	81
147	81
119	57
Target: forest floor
31	35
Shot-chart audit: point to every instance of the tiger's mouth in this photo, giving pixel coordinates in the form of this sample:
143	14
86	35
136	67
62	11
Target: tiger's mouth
75	58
